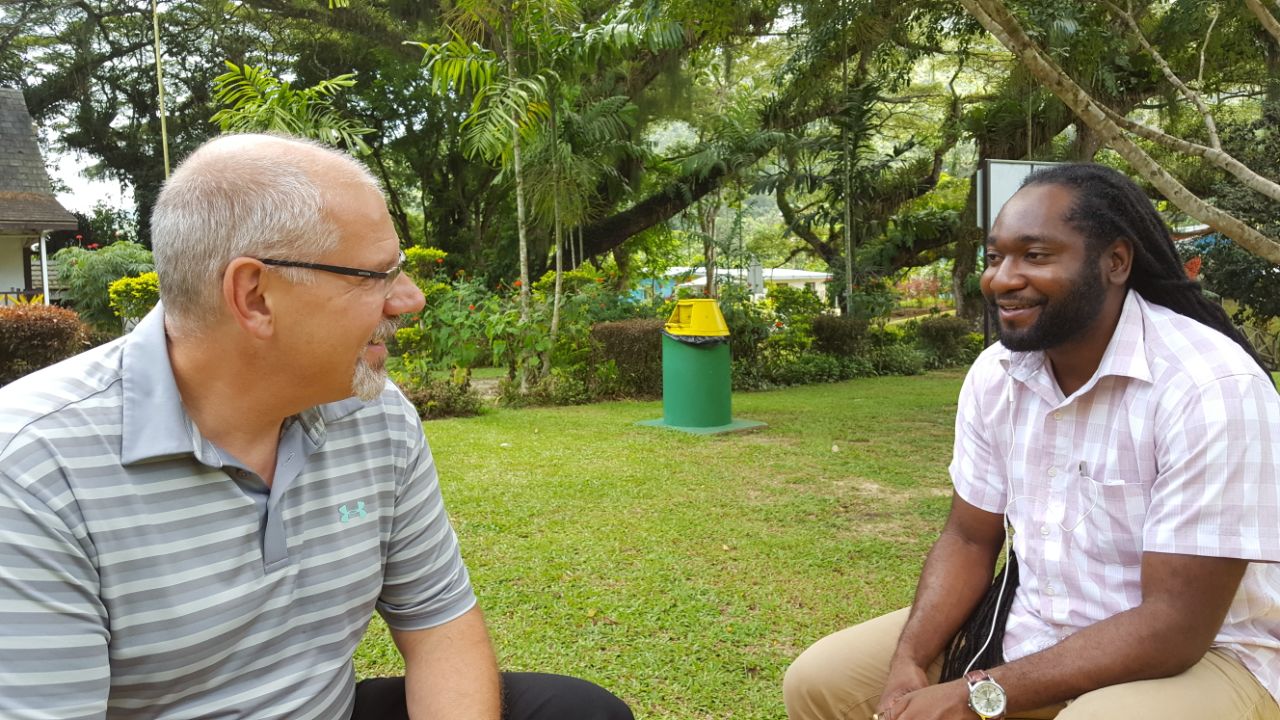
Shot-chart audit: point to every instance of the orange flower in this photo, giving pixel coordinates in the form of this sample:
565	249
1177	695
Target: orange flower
439	261
1192	267
517	283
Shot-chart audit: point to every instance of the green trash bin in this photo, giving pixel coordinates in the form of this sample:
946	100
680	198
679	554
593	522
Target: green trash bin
697	374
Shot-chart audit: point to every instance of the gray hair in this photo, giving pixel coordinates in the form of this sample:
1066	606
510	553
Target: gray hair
242	196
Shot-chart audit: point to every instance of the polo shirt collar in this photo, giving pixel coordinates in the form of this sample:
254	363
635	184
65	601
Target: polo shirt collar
155	425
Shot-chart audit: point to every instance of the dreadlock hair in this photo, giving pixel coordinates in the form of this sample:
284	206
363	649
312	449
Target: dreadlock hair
984	630
1109	206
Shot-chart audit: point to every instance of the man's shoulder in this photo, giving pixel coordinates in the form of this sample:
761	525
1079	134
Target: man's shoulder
1183	350
62	395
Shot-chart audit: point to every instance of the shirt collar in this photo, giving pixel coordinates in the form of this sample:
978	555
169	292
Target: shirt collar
155	425
1125	354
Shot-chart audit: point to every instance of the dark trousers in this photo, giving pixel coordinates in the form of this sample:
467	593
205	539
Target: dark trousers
525	696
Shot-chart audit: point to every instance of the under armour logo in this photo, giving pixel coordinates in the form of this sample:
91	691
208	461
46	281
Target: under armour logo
347	513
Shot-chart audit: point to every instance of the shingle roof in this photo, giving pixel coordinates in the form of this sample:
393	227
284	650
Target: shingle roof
26	201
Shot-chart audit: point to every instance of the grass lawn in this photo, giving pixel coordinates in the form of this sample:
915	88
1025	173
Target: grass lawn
681	572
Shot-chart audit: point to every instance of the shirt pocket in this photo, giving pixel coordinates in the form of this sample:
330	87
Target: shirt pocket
1116	499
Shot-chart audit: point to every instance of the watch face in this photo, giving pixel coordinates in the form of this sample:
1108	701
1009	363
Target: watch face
987	698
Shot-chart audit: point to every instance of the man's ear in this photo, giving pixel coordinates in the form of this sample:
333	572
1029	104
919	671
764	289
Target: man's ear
244	292
1118	262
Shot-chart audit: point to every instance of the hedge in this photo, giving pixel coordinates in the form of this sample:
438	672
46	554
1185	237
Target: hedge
635	348
35	336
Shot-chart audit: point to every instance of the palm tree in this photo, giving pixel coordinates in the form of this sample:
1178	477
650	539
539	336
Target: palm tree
512	101
254	101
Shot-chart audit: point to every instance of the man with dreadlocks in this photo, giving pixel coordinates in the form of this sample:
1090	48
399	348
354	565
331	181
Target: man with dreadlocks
1124	440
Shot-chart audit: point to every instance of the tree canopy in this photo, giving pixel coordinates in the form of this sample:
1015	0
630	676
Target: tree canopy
843	129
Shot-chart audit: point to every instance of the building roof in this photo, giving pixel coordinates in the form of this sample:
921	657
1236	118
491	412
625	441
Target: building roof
26	200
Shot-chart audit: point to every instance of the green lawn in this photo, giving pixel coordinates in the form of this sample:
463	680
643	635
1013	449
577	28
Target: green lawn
685	572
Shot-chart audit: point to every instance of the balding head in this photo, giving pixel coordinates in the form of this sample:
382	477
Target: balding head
243	196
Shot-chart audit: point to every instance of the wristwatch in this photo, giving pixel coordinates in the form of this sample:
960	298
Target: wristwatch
986	697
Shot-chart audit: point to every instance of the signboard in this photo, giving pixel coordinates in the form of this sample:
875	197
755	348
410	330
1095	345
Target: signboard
997	181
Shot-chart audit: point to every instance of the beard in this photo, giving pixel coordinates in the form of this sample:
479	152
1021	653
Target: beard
1060	321
369	379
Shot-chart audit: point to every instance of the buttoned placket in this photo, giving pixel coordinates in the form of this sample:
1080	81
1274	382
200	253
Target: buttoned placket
1057	478
291	454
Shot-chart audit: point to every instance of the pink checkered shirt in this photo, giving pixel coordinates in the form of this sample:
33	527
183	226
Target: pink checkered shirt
1172	446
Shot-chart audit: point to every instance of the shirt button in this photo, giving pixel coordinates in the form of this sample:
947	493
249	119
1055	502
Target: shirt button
1053	472
1057	415
1044	530
1048	589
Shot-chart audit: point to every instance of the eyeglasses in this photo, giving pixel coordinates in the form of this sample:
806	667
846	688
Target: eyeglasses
388	276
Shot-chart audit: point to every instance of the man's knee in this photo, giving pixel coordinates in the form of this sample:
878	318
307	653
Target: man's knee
820	684
807	684
542	696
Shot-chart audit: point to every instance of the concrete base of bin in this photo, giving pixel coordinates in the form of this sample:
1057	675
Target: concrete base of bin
733	426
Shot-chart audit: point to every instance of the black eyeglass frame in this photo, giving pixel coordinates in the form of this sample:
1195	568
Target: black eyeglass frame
341	269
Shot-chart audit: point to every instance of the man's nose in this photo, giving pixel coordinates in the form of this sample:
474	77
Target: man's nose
1006	276
405	297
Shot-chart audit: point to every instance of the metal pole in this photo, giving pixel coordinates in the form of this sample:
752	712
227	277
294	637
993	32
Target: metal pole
44	267
164	131
844	148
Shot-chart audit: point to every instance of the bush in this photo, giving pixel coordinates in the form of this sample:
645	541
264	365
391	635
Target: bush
87	273
133	297
943	340
896	359
839	335
635	348
557	388
795	306
809	368
424	264
442	398
35	336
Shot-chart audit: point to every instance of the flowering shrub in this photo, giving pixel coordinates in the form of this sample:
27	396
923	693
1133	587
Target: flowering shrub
133	297
87	274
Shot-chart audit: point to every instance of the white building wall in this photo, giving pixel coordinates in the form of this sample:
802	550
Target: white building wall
11	249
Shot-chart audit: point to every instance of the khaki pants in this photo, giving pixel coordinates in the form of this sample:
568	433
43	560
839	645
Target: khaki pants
841	676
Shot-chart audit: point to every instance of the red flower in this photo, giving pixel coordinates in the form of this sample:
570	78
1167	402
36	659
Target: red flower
93	246
439	261
517	283
1192	267
79	237
777	323
471	307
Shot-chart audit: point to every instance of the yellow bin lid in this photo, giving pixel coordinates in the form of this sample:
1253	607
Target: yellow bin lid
697	317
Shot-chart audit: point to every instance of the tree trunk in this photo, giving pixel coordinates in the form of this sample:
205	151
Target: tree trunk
555	212
521	222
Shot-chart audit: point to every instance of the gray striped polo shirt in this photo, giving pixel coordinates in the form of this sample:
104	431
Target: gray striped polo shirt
146	573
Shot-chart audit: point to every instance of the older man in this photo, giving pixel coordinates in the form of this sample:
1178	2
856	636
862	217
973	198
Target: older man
197	520
1124	439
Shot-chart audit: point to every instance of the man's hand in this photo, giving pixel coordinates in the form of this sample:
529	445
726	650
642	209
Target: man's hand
948	701
904	678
